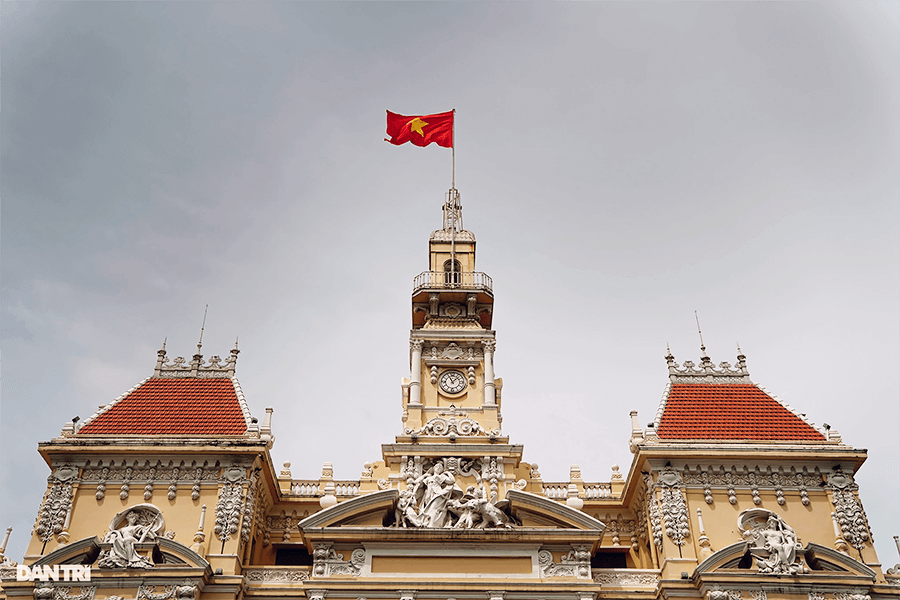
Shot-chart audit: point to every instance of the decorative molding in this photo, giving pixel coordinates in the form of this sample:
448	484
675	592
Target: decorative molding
327	562
441	426
674	508
250	501
577	563
275	575
849	512
707	372
616	578
48	592
229	506
185	591
57	503
653	512
196	368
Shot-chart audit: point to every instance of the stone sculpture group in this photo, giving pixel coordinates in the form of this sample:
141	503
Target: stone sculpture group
435	500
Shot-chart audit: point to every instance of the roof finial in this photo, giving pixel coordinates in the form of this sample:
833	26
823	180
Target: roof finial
165	339
702	347
235	343
202	327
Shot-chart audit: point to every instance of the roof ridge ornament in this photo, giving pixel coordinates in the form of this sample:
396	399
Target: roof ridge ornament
706	372
179	367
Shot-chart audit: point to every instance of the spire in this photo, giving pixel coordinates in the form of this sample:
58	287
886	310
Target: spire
705	361
453	211
160	358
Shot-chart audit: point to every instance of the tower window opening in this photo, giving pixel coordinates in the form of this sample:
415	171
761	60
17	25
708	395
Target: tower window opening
452	270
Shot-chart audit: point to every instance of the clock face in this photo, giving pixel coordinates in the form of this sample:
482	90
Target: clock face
452	382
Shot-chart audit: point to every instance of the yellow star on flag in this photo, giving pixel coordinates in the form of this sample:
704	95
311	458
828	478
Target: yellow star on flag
416	126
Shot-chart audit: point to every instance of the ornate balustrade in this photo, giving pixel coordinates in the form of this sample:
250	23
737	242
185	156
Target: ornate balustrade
592	491
442	280
309	488
305	487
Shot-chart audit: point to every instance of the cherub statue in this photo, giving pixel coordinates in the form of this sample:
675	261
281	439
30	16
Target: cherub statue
405	512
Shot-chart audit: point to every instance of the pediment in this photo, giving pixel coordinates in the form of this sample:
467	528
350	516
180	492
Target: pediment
376	510
85	551
349	512
819	559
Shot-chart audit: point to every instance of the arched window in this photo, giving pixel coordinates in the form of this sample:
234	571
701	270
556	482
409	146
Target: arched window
452	269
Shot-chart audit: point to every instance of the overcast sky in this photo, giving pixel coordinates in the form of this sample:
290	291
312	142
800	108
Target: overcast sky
621	165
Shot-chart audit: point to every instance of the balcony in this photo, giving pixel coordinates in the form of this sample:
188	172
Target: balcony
448	280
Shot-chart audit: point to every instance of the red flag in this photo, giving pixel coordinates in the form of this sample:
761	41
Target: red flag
420	130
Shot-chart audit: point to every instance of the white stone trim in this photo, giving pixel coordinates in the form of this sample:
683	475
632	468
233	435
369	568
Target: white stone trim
242	402
105	408
794	412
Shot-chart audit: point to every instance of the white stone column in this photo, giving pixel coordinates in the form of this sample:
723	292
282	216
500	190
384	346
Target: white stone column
490	393
415	383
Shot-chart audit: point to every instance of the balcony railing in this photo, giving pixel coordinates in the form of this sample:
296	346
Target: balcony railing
452	280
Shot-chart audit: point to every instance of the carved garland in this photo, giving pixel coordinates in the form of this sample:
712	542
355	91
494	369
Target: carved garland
653	510
851	518
850	515
674	508
229	506
249	509
57	504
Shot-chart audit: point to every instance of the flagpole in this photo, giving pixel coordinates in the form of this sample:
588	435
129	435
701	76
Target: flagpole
453	152
453	196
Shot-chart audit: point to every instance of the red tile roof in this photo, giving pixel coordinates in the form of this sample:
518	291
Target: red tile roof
169	406
698	411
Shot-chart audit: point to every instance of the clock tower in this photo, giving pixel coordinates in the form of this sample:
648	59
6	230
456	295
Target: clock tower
451	401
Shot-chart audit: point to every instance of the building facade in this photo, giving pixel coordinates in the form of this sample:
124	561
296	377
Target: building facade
169	491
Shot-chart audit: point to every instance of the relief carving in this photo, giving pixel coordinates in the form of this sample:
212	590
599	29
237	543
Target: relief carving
849	512
674	508
623	579
276	575
772	541
57	504
127	529
577	563
328	562
229	506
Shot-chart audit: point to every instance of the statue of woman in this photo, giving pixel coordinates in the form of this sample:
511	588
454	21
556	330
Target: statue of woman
781	542
122	553
435	488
